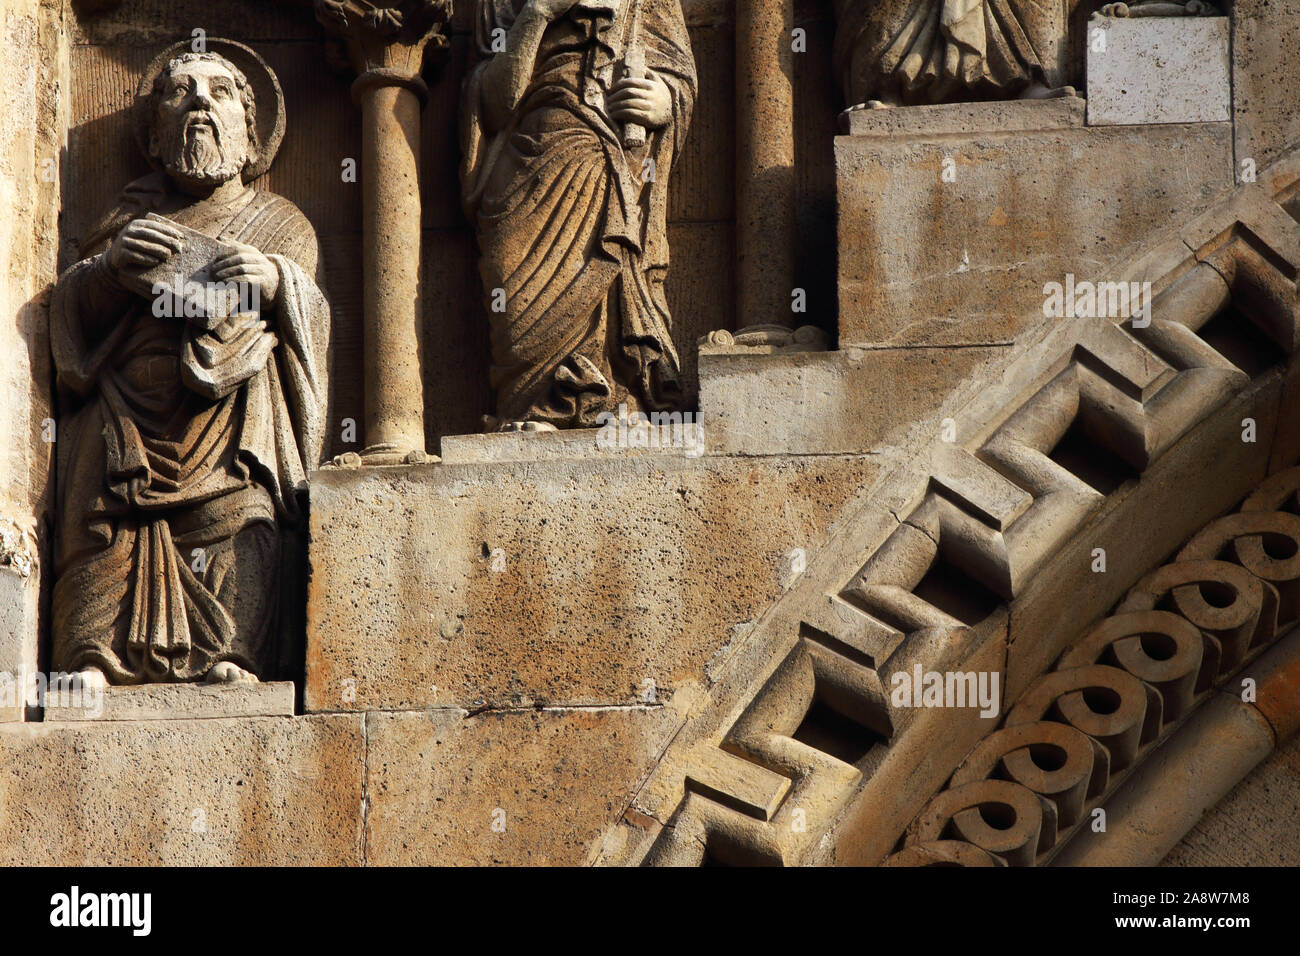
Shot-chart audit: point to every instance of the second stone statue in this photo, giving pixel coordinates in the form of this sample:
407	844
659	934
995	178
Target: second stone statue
573	119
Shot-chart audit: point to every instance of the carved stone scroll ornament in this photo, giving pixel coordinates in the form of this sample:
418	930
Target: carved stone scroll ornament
188	421
1121	691
572	121
915	52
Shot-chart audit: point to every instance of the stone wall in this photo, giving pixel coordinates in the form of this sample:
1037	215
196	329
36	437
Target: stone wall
502	646
33	88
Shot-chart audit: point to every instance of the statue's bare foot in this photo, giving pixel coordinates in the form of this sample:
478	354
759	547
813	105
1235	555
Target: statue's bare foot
1041	91
527	426
89	679
224	672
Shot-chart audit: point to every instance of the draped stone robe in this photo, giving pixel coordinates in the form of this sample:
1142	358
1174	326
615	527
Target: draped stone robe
934	51
569	227
179	452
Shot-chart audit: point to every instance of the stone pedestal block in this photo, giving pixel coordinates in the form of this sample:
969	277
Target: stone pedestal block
819	403
259	791
949	238
175	702
1158	70
606	581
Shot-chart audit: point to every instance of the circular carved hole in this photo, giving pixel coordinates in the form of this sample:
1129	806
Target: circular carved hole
1279	547
1047	757
1000	816
1101	700
1158	647
1217	594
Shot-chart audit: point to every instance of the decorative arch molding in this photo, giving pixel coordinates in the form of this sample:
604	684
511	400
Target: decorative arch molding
1164	673
1102	441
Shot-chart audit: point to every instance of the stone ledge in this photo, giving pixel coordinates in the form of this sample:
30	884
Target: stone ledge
1062	112
625	438
180	702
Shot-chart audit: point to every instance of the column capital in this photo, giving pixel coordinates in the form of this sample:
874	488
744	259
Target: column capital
386	41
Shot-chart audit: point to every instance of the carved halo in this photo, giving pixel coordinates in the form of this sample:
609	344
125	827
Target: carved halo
267	95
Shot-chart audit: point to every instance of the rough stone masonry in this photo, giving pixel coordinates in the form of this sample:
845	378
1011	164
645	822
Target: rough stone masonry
316	538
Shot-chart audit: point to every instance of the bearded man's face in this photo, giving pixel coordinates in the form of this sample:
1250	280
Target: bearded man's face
201	135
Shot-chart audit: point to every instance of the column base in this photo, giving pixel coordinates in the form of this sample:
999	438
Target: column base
383	454
754	339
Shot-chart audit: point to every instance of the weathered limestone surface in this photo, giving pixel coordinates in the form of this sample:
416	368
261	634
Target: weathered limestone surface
530	622
33	105
960	118
608	574
924	262
110	48
1264	95
177	702
1158	70
520	788
413	788
686	439
1254	825
19	602
817	403
246	792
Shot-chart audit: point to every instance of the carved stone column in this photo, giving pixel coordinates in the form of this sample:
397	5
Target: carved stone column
765	220
385	45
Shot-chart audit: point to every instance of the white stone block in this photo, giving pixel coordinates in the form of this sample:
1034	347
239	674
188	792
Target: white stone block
1158	70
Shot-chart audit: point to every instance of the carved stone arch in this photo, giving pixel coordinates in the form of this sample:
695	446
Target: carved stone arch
1113	608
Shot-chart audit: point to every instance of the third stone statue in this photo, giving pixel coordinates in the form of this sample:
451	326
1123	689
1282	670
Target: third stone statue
572	122
914	52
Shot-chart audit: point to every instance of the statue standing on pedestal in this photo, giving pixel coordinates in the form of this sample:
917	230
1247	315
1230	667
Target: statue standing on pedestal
572	122
188	419
914	52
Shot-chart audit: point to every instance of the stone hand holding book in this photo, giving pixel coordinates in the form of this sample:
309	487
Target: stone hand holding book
183	284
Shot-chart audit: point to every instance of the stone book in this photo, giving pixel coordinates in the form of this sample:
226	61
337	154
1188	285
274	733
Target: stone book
191	289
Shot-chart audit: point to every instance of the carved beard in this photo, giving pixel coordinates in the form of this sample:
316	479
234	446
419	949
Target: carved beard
197	153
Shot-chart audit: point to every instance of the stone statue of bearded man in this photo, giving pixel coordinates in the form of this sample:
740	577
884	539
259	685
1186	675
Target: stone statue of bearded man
185	436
